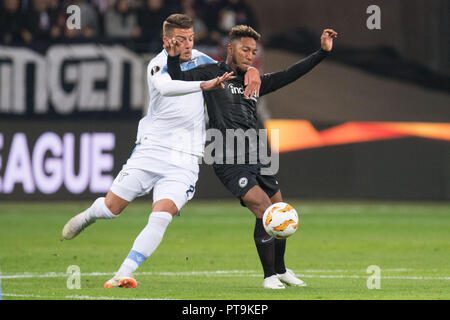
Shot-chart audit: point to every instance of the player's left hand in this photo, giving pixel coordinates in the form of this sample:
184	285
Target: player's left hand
217	83
326	39
252	82
172	47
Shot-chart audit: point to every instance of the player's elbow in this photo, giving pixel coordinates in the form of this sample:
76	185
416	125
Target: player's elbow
167	93
165	90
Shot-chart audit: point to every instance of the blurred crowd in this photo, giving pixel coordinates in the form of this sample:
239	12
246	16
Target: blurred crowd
130	21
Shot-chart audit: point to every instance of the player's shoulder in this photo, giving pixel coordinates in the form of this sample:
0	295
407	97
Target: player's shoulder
202	58
159	60
158	63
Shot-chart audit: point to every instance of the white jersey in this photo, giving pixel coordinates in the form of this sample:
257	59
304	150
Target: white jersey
176	114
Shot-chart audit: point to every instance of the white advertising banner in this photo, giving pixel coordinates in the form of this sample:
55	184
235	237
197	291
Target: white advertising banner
71	79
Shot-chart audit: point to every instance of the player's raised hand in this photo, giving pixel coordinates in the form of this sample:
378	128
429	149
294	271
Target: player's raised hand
172	46
326	39
252	82
217	83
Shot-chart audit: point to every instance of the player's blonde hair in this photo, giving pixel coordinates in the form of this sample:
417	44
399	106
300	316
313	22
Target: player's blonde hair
176	21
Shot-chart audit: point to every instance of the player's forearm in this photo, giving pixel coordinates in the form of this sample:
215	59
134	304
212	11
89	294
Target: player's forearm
304	66
202	73
278	80
173	68
173	88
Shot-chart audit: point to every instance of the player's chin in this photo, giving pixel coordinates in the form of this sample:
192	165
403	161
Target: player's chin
243	67
186	56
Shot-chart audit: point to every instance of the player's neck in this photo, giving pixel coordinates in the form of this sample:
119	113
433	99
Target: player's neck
233	66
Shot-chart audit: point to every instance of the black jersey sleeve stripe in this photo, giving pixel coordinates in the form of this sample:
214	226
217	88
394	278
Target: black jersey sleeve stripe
274	81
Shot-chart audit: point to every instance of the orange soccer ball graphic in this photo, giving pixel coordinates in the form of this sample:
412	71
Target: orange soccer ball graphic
280	220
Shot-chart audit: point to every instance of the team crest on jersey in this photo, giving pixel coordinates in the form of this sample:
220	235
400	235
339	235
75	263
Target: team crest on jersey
155	70
122	175
243	182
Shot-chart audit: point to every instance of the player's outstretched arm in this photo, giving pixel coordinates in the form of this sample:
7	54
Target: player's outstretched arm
208	72
168	87
201	73
274	81
172	88
217	83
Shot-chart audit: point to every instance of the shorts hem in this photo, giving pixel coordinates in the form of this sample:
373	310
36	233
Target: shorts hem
178	203
124	193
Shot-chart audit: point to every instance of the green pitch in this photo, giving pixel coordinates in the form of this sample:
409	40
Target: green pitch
208	252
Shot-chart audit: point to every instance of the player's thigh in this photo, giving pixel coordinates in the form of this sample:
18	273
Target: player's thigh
271	187
257	201
176	188
238	179
277	197
114	203
131	183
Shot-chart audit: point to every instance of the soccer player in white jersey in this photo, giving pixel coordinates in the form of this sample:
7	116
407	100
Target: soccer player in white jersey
170	140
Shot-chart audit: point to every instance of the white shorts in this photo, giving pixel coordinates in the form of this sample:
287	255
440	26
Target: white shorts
171	174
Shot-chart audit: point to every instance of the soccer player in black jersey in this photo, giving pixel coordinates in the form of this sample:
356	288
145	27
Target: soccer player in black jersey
235	108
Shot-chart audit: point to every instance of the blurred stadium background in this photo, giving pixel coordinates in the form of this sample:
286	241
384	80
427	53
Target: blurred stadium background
371	122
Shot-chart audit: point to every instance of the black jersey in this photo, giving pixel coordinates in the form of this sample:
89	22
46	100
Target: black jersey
228	108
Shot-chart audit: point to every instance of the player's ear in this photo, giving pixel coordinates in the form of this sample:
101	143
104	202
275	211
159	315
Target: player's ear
164	39
230	49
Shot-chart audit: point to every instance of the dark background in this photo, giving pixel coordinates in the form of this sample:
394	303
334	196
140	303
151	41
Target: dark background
400	73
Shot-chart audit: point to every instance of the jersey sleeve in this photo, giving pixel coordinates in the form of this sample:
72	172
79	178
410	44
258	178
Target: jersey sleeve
204	58
204	72
274	81
163	83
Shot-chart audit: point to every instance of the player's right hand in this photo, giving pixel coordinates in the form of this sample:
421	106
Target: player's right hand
252	82
327	39
217	83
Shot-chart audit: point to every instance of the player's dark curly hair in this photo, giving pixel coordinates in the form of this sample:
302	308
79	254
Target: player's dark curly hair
242	31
